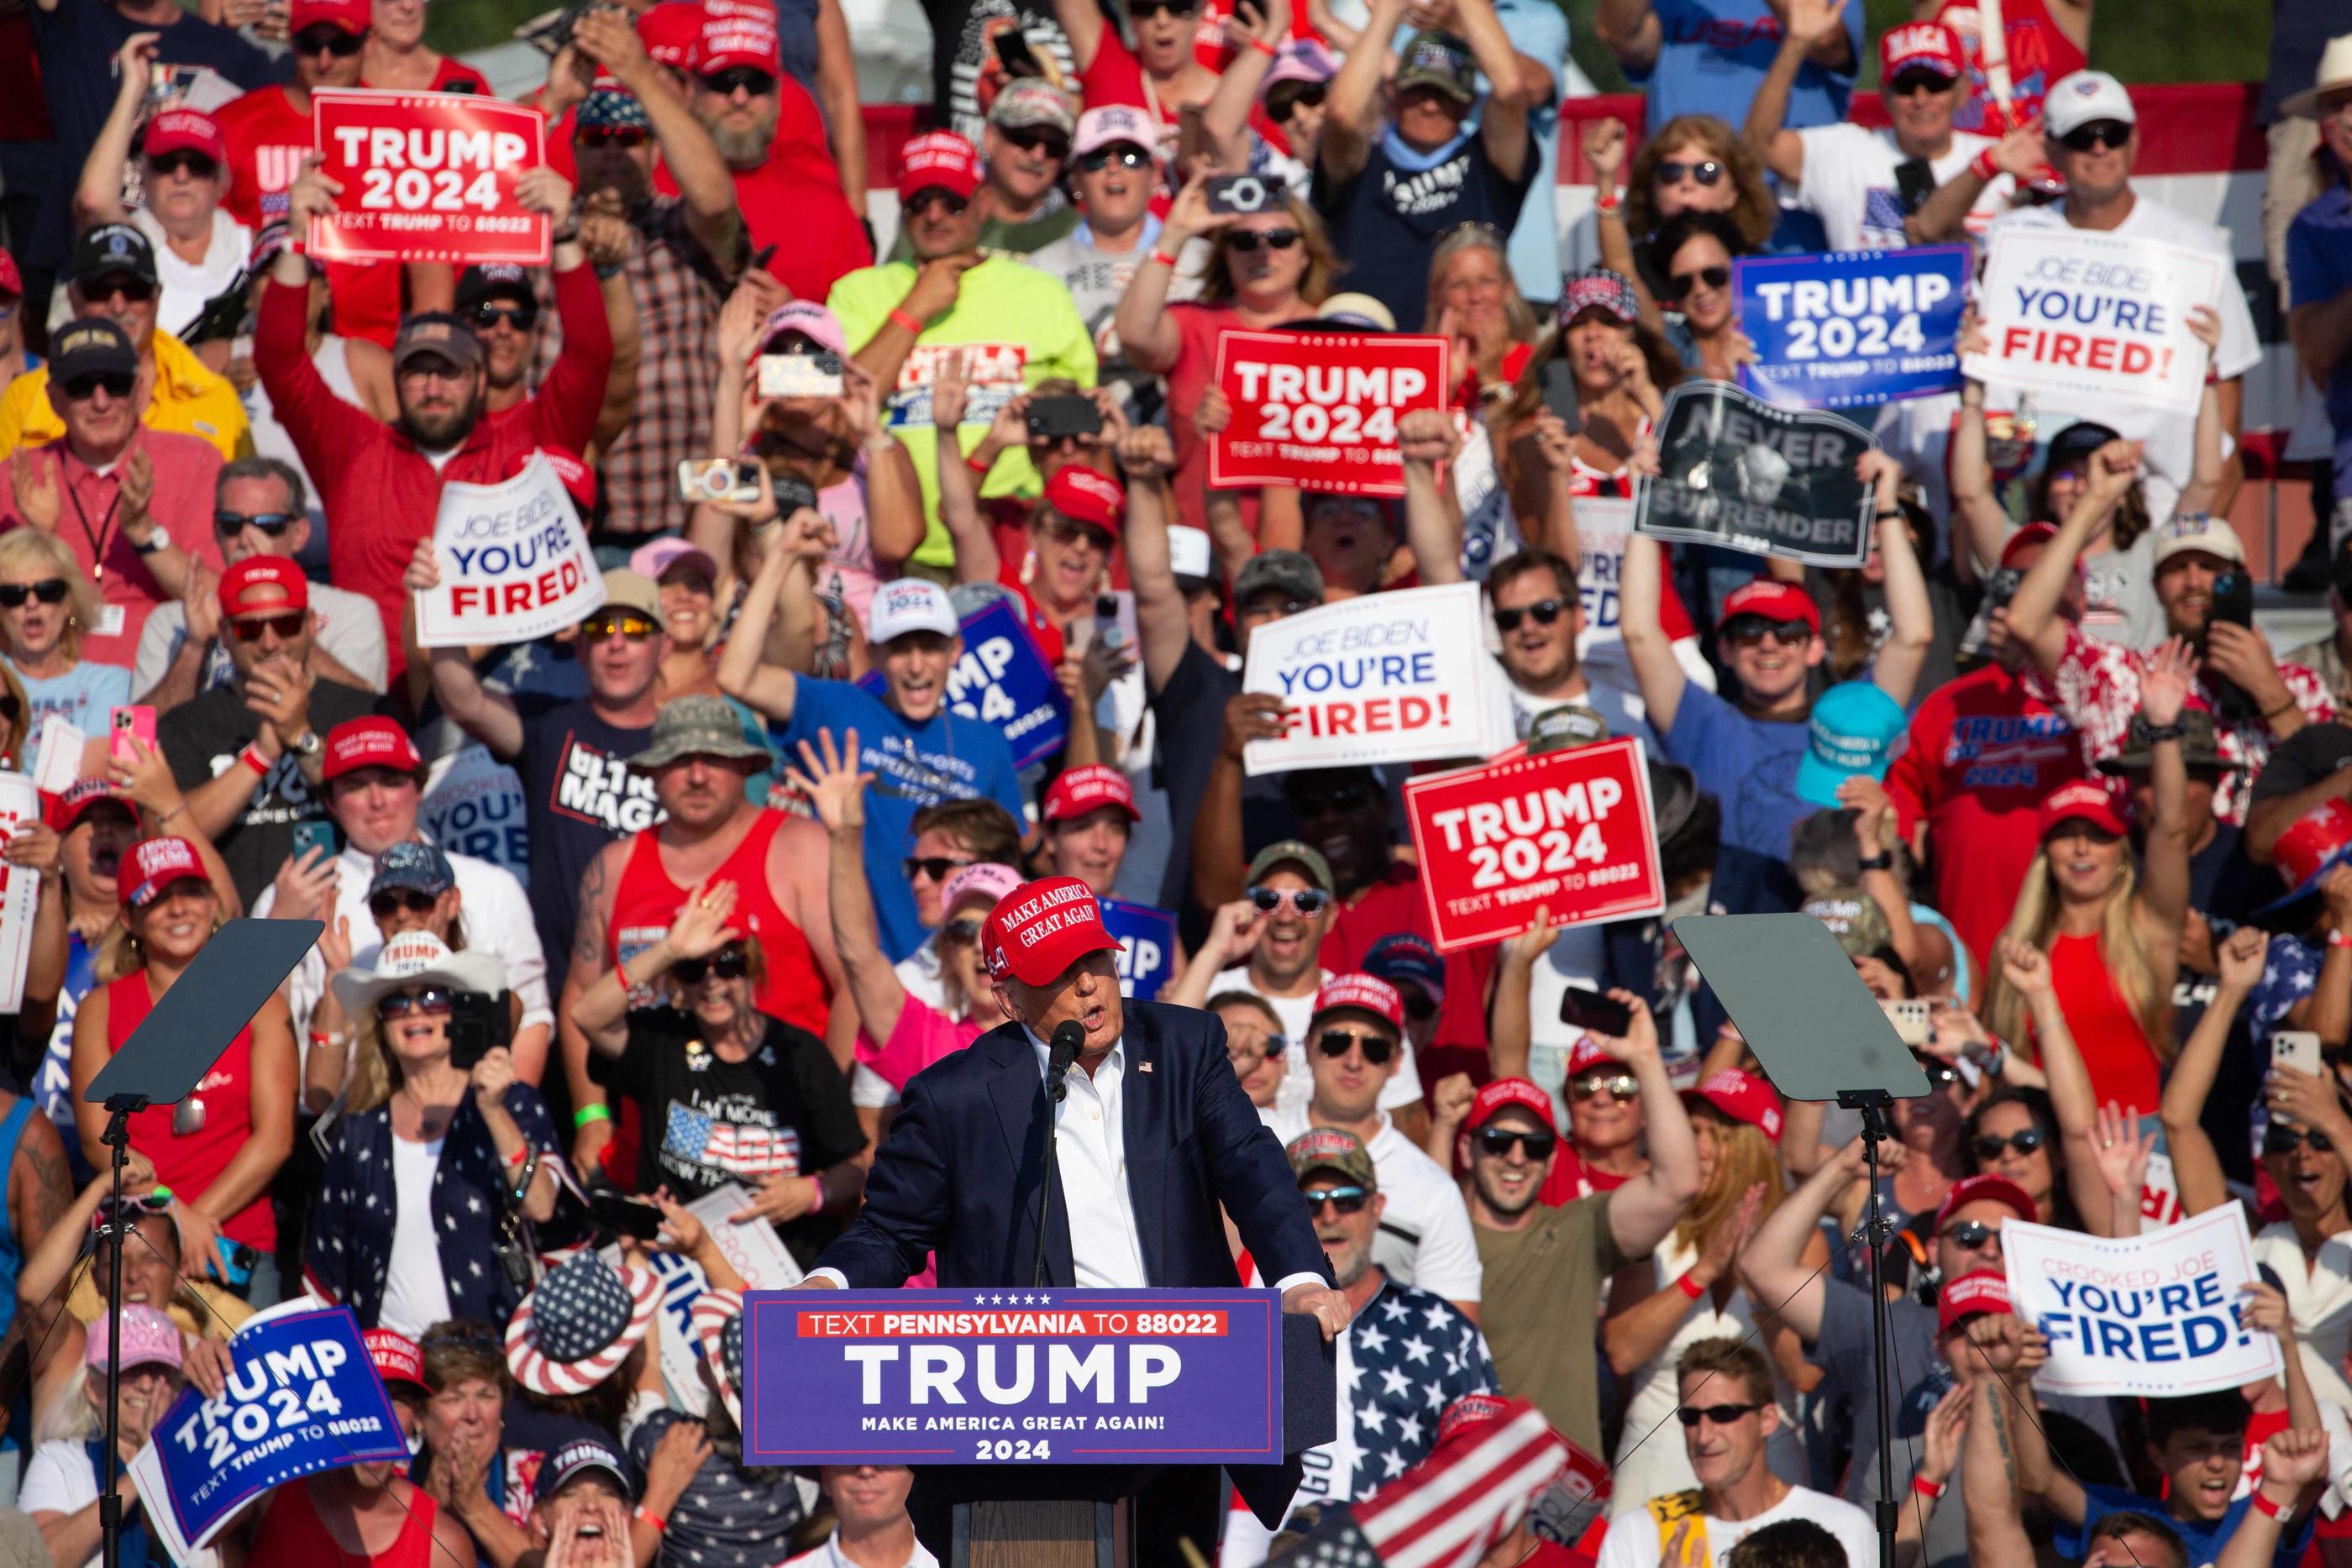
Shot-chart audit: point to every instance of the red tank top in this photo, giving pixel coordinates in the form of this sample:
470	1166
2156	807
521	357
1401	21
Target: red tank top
2038	52
795	990
2121	1066
294	1536
188	1163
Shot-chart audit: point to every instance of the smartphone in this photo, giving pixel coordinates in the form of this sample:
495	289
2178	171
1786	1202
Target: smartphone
2298	1049
1013	53
2000	587
1115	621
1191	137
309	836
2233	598
630	1216
792	493
237	1259
800	375
1913	1021
479	1022
1589	1010
1915	182
1557	379
138	721
1246	194
1051	418
718	479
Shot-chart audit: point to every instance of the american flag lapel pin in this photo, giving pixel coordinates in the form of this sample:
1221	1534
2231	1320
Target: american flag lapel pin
1143	1067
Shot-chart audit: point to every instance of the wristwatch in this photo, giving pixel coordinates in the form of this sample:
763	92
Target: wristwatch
157	540
307	744
1882	861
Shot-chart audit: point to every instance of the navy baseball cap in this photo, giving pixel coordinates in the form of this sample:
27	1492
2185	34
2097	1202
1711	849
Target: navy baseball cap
1400	956
415	865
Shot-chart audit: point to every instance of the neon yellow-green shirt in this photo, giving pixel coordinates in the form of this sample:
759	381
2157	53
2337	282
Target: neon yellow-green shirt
1026	330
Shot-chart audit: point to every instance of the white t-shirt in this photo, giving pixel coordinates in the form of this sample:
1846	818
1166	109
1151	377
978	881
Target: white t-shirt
416	1294
189	287
1633	1540
1425	1236
59	1479
1296	1013
830	1555
1849	183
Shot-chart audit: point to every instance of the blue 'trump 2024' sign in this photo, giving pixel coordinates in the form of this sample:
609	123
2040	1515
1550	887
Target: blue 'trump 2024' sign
962	1377
1853	328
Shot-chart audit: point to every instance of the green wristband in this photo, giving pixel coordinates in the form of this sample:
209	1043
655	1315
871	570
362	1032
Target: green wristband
587	1113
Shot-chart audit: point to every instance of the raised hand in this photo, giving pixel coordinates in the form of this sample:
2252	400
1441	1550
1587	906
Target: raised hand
2242	954
1947	1422
1639	1043
700	928
1426	437
2164	682
1605	142
951	388
2024	967
2122	1150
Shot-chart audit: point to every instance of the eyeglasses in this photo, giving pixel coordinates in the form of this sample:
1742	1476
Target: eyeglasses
1280	104
602	628
2279	1139
394	901
1619	1086
1988	1147
1342	1199
82	389
1063	532
729	963
1971	1233
232	524
1039	139
1545	610
1144	10
1721	1414
98	291
521	318
922	201
288	626
332	41
184	161
1247	241
938	868
1336	1043
1499	1141
49	591
1750	632
427	1000
613	136
2099	133
1124	154
1707	172
965	931
1307	902
757	83
1679	285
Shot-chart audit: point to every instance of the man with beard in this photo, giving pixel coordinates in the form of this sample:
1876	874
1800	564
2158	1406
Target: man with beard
381	483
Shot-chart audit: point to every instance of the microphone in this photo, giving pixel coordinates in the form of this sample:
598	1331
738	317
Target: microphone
1060	1053
1069	1039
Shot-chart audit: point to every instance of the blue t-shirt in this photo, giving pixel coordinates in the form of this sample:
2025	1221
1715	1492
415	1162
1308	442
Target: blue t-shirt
1749	766
83	696
949	757
2318	268
1714	55
1539	29
2204	1541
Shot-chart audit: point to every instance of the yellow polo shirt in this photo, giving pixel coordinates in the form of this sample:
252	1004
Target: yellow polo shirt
189	399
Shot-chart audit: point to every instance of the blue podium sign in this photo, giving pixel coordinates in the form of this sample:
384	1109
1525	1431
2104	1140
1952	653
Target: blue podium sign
986	1377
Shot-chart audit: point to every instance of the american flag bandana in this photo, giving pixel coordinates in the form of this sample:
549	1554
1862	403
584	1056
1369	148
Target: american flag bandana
1881	209
701	1139
1450	1510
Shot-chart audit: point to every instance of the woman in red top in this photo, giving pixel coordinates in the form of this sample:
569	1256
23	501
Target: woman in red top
396	57
2112	936
219	1148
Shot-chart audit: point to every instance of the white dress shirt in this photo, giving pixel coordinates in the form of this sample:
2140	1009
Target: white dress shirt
830	1555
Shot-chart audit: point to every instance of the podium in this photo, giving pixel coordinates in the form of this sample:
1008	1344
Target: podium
1056	1428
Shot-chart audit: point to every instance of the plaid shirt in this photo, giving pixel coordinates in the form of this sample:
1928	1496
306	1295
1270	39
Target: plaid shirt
2096	687
678	288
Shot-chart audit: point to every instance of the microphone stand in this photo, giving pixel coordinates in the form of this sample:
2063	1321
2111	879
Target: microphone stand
1886	1515
1057	1070
116	1136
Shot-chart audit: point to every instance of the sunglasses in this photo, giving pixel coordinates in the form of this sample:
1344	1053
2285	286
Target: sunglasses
613	136
155	1200
429	1000
924	200
757	83
50	591
82	389
1911	84
1679	285
1342	1199
137	290
938	868
1745	632
1988	1147
288	626
2283	1140
521	318
1339	798
602	628
2099	133
1247	241
327	41
1707	172
1124	155
729	963
1280	105
1040	139
1545	610
1971	1233
1063	532
232	524
1306	902
399	900
1721	1414
184	161
966	930
1499	1142
1336	1043
1618	1087
1144	10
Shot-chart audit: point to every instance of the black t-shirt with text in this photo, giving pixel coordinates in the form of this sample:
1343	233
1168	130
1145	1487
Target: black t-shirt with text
1384	217
579	795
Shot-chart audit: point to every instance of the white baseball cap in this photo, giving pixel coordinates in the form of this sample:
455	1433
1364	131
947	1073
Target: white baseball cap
910	604
2199	531
1190	551
2081	97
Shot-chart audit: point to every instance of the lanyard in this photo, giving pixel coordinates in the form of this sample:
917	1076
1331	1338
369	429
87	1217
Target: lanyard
103	535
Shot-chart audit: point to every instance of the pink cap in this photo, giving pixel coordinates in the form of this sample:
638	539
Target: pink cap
354	17
1365	992
1301	60
1973	1294
186	130
811	321
1085	495
359	743
938	159
2083	800
1504	1093
1079	790
1742	1098
1040	928
735	32
672	35
650	560
1920	46
262	585
154	865
1110	125
149	1339
395	1356
983	879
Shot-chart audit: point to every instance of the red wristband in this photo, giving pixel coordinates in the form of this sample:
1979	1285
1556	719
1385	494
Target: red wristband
1162	257
1984	168
1689	1286
656	1520
515	1160
2270	1510
977	467
251	757
901	318
1263	48
1929	1490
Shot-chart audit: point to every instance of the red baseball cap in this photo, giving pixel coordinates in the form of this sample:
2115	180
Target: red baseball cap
1084	496
1772	601
672	35
1743	1098
358	743
1364	992
263	584
938	159
2312	845
1041	927
1920	46
395	1357
1079	790
1505	1092
1973	1294
579	480
12	282
738	33
2025	538
352	16
2083	800
154	864
187	131
80	799
1983	1189
1584	1056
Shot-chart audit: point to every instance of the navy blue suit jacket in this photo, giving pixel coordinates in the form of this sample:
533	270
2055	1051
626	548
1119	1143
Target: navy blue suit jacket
960	1171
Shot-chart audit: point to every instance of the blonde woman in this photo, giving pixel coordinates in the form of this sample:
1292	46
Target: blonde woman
1475	301
46	604
2112	936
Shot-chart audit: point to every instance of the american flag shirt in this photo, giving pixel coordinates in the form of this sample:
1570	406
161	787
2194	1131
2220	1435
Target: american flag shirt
1405	1357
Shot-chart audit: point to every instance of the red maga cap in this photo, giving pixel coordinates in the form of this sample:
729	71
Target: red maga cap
2314	842
1077	790
395	1357
262	585
352	16
941	160
1367	993
358	743
1920	46
1083	496
154	864
1983	1189
1772	601
82	797
1040	928
186	130
1973	1294
735	32
1741	1097
672	35
2088	801
1504	1093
